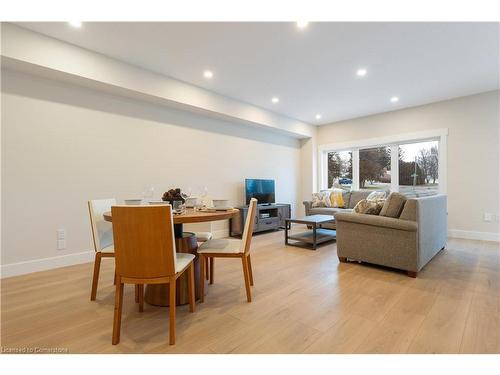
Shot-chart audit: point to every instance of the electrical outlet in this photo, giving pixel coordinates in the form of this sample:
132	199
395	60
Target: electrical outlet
61	239
488	216
497	217
61	244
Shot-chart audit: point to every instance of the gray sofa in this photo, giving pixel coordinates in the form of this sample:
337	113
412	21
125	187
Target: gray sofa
351	198
408	242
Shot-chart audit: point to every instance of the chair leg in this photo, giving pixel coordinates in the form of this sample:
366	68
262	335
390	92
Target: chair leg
114	280
141	297
117	319
203	263
250	272
191	286
172	310
207	271
247	278
95	278
136	287
212	261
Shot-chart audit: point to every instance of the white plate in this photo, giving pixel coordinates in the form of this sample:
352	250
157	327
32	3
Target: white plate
158	202
220	208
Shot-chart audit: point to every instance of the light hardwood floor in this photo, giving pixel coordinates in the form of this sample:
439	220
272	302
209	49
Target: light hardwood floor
304	301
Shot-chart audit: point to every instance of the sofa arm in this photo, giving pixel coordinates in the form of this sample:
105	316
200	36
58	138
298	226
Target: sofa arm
378	221
307	205
432	226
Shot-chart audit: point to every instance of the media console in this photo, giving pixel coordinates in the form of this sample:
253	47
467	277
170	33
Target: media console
267	217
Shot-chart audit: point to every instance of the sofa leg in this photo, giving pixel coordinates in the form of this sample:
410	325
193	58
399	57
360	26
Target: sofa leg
412	274
342	259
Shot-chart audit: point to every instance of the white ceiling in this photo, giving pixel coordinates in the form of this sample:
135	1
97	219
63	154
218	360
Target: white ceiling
311	70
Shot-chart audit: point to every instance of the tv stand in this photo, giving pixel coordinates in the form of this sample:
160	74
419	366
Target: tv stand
268	216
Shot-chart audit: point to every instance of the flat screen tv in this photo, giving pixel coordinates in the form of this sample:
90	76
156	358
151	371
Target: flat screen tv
262	190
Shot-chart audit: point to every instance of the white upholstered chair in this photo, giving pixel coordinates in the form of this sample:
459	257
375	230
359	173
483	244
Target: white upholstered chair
102	234
230	248
203	236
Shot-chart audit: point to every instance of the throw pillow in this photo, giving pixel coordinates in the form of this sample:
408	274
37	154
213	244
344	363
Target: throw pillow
336	198
321	199
326	199
317	200
367	207
376	196
393	205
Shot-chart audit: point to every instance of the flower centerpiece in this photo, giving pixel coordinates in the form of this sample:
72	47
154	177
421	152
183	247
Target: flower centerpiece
173	195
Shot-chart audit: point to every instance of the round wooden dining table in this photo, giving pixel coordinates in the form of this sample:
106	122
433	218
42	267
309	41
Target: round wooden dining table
185	242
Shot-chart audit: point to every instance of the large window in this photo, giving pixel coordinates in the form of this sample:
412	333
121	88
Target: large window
340	168
412	164
375	168
419	167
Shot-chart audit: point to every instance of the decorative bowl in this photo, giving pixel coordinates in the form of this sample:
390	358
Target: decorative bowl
220	203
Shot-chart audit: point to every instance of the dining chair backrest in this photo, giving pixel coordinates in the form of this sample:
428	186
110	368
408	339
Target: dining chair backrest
144	241
102	231
246	238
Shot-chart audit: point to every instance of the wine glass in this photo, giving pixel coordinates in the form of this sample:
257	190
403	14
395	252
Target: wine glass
148	193
188	193
204	194
198	204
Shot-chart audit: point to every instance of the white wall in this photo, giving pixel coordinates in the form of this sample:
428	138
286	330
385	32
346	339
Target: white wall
473	153
64	144
309	156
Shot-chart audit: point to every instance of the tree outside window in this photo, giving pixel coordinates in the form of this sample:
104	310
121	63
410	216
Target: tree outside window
418	167
375	168
340	167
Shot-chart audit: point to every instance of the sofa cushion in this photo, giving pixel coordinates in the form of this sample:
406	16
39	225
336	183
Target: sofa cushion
346	195
393	205
409	211
327	210
356	196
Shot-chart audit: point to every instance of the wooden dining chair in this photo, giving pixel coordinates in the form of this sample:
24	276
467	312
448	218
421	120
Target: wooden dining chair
145	254
230	248
102	235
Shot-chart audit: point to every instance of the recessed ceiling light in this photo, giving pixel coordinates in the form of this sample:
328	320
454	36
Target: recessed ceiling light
275	99
318	117
76	24
302	24
361	72
208	74
394	99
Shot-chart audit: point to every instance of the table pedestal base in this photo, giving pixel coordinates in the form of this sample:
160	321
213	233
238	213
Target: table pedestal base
158	294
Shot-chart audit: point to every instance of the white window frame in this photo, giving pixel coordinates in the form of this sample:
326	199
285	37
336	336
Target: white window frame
440	135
